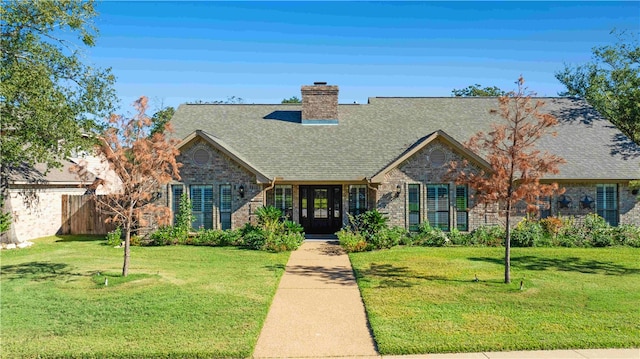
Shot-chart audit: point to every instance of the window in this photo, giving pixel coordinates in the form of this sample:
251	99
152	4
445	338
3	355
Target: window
320	203
462	204
225	206
202	206
438	206
357	199
607	203
283	200
414	207
176	194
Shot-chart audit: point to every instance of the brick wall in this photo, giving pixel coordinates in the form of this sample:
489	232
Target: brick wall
39	216
427	166
218	169
319	102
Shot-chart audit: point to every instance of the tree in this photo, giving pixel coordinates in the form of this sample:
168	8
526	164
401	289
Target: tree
144	164
292	99
610	83
516	164
231	100
44	86
161	118
478	90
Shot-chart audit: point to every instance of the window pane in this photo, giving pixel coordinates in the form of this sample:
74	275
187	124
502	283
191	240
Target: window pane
225	206
414	207
438	206
176	194
607	203
462	221
202	206
357	199
320	204
462	204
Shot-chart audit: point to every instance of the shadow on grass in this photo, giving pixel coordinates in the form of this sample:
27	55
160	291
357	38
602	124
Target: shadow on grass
80	238
566	264
38	271
391	276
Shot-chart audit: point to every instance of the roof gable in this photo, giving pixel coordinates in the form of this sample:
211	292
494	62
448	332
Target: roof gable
227	150
424	142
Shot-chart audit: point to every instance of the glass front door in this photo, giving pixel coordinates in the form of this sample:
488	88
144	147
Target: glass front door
321	209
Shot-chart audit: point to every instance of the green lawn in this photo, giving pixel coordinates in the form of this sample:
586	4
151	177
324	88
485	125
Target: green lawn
178	301
424	300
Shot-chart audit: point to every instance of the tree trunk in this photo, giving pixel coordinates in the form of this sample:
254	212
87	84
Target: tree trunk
127	249
507	246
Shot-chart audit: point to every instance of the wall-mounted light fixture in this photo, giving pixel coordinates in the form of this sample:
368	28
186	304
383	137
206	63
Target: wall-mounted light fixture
398	190
241	191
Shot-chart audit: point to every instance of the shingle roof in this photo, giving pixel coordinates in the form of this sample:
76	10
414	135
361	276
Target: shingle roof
371	136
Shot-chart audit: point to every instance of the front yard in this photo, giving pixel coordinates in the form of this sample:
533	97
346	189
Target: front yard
178	301
425	300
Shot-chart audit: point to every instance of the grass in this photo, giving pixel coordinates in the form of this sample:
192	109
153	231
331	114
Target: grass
425	300
178	301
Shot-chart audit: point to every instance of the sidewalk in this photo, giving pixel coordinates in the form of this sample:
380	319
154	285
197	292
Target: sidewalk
317	312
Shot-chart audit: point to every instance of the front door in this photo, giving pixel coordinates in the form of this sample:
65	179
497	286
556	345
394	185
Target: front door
321	209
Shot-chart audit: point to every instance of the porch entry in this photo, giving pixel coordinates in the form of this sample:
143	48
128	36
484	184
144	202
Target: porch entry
321	209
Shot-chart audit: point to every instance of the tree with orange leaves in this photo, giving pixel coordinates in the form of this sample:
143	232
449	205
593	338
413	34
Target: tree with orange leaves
144	162
516	164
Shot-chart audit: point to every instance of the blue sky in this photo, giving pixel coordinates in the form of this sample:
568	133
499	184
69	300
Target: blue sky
174	52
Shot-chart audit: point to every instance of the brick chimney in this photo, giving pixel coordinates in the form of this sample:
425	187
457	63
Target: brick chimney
319	104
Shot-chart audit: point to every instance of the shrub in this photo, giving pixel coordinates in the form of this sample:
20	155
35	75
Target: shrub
430	236
627	235
599	232
280	242
527	233
114	238
208	237
491	236
292	227
352	242
253	237
269	218
551	226
368	223
163	236
385	238
458	238
135	240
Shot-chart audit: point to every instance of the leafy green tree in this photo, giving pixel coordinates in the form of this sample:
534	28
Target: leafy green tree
231	100
160	119
48	97
292	99
477	90
610	82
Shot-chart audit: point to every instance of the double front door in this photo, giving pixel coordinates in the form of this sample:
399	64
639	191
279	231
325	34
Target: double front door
321	209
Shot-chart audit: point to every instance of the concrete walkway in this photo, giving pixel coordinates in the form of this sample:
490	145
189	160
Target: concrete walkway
317	312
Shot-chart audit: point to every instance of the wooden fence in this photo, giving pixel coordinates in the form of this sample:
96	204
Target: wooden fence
80	215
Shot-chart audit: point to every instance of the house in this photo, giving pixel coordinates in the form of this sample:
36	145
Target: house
320	160
37	199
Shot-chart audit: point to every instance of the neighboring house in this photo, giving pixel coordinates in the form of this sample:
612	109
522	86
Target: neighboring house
35	196
319	161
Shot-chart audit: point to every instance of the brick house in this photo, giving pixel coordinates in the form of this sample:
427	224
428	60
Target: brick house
320	160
